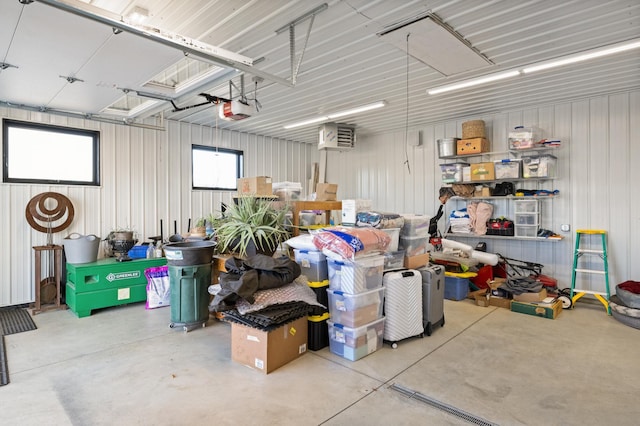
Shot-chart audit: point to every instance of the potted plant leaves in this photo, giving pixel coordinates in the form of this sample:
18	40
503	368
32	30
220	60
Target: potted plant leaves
251	225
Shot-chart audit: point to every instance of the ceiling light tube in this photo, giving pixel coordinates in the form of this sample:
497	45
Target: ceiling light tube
306	122
338	114
592	54
357	110
473	82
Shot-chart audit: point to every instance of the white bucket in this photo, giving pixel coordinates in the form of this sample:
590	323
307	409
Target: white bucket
81	248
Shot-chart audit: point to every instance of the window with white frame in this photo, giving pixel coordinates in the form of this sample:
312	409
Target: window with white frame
45	154
215	168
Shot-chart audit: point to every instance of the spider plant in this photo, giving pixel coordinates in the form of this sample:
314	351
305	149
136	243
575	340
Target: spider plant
251	225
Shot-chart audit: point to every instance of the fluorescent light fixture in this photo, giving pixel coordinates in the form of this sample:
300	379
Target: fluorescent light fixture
138	15
338	114
473	82
592	54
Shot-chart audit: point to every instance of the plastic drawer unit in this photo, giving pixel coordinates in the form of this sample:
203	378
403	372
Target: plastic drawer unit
356	277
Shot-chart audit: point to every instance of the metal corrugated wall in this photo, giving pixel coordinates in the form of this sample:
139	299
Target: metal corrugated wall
597	168
145	177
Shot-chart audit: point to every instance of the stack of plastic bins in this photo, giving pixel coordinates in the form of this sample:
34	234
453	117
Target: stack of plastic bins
527	223
356	299
414	235
313	265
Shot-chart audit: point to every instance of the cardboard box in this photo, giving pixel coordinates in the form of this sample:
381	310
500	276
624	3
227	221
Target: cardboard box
500	302
482	172
415	262
472	146
267	350
326	192
258	185
531	297
481	297
539	310
484	191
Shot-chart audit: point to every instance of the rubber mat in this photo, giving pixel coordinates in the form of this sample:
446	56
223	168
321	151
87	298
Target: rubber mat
15	320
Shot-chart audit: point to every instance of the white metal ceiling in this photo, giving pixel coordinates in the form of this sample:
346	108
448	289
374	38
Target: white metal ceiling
344	65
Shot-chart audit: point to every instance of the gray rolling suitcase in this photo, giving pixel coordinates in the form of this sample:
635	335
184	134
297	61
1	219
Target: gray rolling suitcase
402	305
433	296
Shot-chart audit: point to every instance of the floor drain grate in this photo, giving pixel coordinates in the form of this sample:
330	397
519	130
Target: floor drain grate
442	406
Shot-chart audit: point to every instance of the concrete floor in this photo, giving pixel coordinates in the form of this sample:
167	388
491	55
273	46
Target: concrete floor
125	366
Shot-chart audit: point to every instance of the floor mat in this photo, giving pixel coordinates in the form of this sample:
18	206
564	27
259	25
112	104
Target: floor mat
4	372
15	320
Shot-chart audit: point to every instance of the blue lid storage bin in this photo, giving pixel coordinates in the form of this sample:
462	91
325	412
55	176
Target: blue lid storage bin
456	288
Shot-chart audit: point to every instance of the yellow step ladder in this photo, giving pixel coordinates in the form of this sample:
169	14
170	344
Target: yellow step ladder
576	293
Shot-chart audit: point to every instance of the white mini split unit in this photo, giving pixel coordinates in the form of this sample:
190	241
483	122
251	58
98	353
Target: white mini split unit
234	110
336	136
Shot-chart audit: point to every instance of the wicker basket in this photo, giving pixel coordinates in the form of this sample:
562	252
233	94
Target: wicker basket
473	129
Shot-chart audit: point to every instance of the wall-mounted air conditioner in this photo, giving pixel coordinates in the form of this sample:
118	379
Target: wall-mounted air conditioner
336	136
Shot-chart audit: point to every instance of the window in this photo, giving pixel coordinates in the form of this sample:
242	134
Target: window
40	153
216	168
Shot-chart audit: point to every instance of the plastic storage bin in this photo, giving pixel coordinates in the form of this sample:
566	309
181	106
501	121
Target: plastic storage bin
414	246
394	260
355	310
508	169
522	138
318	331
452	172
539	166
394	233
456	288
527	219
356	277
415	225
313	264
355	343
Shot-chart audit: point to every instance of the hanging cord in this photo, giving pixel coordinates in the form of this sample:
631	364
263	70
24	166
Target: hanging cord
13	35
406	123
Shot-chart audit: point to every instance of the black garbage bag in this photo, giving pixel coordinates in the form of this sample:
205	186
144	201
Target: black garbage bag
244	277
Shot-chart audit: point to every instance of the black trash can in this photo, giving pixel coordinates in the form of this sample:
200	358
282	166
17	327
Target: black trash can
189	265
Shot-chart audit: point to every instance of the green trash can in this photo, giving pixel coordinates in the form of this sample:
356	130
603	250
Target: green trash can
189	277
189	295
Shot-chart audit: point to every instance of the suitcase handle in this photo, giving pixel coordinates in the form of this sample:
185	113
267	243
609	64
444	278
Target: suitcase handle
407	274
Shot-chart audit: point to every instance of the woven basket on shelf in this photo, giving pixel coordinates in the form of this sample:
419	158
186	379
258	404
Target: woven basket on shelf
473	129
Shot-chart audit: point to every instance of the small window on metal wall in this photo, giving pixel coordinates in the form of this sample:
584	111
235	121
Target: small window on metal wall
215	168
41	153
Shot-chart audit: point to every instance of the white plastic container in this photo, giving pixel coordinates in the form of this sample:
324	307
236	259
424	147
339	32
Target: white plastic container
522	138
355	343
287	191
355	310
356	277
508	169
539	166
81	248
452	172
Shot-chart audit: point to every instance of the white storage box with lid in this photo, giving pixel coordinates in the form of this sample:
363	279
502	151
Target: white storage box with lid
452	172
363	274
355	343
415	224
527	218
313	264
507	169
526	206
355	310
539	166
414	246
526	231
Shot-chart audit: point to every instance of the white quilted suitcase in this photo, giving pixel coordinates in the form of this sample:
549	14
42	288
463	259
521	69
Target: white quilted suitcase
402	305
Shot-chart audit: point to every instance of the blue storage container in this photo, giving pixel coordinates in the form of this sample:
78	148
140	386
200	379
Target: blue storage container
456	288
138	252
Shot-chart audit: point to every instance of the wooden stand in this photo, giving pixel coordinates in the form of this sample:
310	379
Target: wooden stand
298	206
37	306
